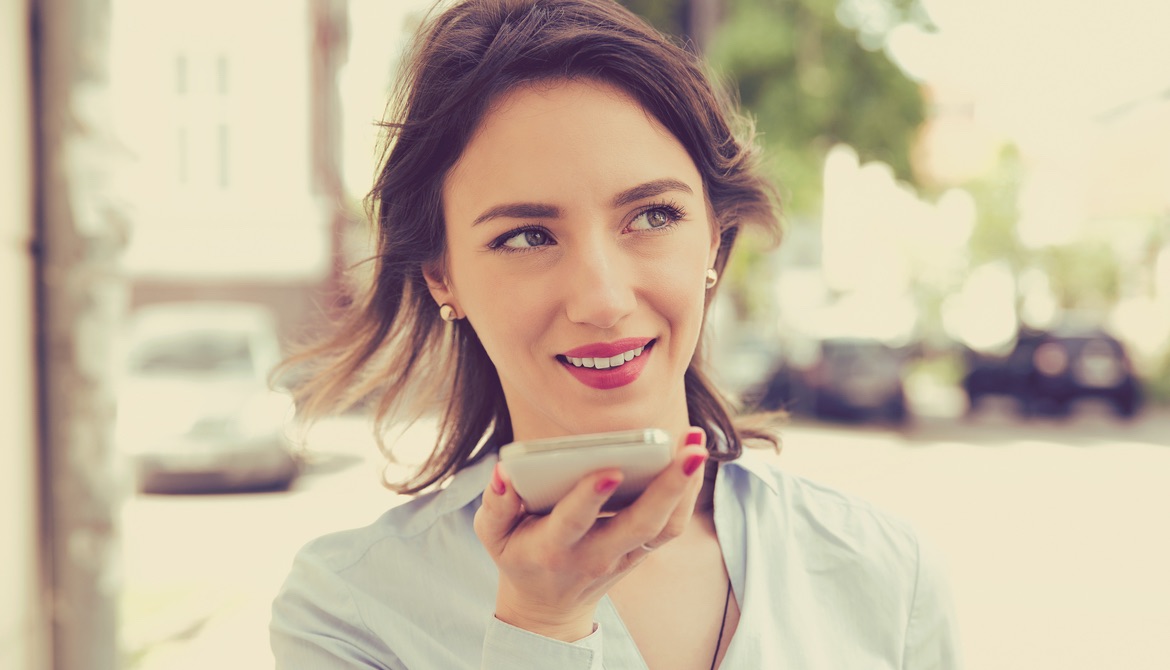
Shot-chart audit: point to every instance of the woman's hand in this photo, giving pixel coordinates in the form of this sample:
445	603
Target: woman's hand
554	569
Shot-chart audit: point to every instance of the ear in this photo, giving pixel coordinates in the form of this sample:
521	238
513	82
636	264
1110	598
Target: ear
716	234
438	286
713	253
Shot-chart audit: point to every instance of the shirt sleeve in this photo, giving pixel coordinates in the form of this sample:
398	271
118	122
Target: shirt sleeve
315	623
932	635
506	646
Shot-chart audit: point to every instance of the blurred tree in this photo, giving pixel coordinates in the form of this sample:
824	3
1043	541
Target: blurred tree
811	82
996	196
812	74
1084	274
669	16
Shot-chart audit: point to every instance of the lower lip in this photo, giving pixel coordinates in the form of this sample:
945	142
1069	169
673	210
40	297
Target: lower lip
610	378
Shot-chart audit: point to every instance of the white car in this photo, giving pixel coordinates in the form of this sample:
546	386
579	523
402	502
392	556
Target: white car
195	410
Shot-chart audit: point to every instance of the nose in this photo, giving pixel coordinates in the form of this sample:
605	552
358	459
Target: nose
599	285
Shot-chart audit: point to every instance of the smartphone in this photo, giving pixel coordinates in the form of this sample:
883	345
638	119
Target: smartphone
543	471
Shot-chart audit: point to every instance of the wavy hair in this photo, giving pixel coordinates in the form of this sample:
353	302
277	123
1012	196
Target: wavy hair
391	348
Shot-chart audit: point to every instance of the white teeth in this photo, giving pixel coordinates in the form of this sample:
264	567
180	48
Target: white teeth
606	363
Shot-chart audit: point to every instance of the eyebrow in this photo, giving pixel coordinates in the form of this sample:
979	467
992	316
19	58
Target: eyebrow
649	190
519	210
533	210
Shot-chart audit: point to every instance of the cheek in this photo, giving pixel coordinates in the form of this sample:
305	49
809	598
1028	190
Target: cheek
675	288
504	311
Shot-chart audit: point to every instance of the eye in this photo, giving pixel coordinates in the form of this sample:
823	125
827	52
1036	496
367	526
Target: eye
656	217
522	238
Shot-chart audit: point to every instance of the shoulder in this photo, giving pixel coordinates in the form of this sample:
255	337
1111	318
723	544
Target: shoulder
845	565
441	516
363	591
823	523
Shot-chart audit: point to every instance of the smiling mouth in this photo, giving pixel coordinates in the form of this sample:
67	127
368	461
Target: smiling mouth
606	363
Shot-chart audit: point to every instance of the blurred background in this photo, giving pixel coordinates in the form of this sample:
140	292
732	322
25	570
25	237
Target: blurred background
968	318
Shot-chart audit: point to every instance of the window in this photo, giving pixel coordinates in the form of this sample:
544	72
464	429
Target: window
223	155
181	74
181	154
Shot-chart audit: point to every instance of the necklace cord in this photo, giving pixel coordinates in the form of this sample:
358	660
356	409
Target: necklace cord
722	625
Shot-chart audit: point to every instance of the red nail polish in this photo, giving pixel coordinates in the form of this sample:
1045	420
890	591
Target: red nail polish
497	482
606	485
694	436
692	463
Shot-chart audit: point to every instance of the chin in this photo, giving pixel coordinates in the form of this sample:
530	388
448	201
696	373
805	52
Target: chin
627	416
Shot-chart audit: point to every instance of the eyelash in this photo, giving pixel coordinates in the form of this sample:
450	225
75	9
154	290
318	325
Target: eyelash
500	244
673	211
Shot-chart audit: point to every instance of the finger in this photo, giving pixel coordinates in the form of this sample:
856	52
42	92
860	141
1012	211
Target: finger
498	515
644	520
576	513
684	510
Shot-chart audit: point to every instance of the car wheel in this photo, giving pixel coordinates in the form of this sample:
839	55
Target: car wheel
895	411
1125	404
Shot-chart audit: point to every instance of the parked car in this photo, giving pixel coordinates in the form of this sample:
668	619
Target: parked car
846	378
195	412
1046	371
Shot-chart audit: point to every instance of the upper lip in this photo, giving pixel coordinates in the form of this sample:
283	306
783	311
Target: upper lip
608	349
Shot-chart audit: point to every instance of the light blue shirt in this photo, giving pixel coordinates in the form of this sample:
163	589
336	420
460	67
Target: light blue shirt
822	581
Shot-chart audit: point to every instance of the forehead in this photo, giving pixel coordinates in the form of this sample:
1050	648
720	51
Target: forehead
585	136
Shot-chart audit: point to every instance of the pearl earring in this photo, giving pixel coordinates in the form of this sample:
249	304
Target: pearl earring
447	313
712	278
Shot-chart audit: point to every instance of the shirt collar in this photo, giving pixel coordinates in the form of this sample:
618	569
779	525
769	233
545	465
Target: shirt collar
755	464
469	484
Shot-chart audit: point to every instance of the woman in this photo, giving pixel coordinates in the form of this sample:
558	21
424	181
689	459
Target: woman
561	190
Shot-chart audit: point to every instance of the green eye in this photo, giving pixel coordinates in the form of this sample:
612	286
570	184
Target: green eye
532	238
522	239
654	218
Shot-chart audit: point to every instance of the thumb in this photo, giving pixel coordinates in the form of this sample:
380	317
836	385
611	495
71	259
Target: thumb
498	515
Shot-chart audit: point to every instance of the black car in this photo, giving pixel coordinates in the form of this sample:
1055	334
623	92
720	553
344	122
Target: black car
1047	371
853	378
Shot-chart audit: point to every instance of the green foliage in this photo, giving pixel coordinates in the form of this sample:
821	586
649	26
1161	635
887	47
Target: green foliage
811	84
667	16
1084	274
996	195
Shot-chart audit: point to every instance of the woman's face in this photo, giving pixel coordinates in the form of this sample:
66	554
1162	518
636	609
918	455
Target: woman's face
578	241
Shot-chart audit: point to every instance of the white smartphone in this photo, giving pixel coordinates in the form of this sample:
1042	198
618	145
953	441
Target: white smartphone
543	471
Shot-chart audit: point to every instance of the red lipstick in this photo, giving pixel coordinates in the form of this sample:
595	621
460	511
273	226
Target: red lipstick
608	376
608	349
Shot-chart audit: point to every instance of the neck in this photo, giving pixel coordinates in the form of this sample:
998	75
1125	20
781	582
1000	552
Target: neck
705	503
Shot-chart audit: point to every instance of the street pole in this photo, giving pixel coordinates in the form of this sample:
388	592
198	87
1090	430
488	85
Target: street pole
80	297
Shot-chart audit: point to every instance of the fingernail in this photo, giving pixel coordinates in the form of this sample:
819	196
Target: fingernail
497	482
692	463
606	485
694	436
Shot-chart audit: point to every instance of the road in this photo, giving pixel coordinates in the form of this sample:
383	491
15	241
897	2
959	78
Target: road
1054	534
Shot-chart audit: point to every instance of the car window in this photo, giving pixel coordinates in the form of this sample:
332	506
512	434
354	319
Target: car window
194	353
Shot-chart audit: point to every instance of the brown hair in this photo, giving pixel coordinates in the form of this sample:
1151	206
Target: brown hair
392	347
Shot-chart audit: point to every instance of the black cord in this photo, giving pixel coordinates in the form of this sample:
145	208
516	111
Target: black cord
722	625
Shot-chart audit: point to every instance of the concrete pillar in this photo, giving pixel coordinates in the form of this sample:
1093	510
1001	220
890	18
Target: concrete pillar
79	303
23	619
